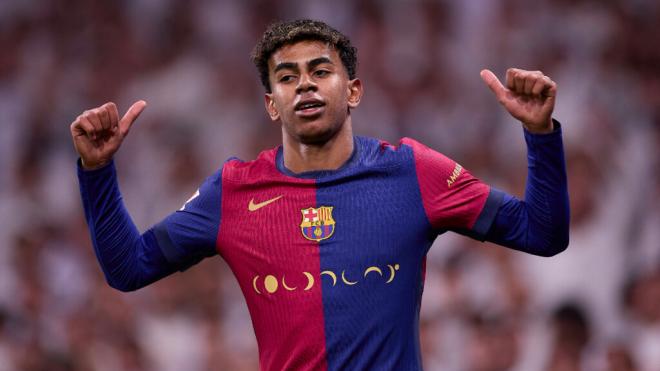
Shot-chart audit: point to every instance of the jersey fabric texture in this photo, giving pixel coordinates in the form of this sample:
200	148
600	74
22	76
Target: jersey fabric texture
332	263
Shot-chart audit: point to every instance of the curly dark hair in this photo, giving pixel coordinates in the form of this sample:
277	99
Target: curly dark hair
286	33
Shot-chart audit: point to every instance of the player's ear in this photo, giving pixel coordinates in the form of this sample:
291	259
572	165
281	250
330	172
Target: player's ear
270	107
355	91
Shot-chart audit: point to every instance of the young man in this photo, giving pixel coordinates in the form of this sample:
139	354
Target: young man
328	233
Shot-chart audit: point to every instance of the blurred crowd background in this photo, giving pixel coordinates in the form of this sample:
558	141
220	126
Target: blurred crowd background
485	308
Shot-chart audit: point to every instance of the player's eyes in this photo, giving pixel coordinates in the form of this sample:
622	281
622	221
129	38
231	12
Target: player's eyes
321	73
286	78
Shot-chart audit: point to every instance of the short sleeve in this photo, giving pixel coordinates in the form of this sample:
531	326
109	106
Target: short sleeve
189	234
453	198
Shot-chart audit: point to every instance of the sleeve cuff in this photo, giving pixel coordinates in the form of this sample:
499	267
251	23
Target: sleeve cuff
532	138
487	215
102	171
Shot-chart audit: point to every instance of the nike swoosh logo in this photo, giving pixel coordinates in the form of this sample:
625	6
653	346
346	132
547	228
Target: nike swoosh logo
254	207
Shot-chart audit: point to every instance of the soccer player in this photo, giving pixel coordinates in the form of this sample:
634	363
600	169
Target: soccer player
327	234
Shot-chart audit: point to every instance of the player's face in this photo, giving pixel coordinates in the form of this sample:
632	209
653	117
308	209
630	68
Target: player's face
311	93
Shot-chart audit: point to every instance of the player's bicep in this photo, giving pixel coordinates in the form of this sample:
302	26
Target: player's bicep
453	198
189	234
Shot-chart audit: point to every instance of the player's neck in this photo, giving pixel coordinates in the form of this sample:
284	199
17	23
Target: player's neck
331	155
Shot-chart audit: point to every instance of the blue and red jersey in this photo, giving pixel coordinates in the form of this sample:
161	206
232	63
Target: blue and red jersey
331	263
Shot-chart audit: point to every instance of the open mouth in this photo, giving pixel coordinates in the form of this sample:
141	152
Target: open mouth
309	106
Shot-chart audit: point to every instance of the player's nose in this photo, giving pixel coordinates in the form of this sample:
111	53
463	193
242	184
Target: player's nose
305	83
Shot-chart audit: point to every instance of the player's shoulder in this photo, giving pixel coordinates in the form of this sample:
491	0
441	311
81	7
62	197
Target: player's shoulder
414	145
237	170
421	151
405	147
380	146
380	153
409	149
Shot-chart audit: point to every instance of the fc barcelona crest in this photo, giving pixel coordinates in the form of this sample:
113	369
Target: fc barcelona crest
317	223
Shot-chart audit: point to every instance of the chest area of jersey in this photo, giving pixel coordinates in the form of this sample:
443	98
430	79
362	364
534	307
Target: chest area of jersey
341	233
278	216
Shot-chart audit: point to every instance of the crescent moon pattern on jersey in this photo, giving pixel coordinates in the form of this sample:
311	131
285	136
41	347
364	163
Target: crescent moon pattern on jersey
345	280
271	283
373	269
287	287
332	275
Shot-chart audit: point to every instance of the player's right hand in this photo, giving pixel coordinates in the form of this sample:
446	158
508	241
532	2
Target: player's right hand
98	133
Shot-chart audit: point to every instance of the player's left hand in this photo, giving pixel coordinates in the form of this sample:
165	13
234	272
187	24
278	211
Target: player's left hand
529	96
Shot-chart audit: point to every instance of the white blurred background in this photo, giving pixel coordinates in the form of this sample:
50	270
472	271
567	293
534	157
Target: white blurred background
485	308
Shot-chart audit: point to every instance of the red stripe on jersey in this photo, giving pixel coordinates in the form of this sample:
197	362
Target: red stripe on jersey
452	197
277	268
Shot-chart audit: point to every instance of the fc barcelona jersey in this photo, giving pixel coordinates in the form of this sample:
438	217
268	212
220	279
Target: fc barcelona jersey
331	263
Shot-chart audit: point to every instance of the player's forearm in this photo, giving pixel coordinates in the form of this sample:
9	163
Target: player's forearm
129	260
539	224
